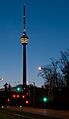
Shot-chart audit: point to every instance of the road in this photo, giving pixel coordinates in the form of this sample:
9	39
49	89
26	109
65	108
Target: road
46	112
15	113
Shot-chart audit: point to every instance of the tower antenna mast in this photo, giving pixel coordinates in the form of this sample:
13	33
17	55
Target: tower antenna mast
24	20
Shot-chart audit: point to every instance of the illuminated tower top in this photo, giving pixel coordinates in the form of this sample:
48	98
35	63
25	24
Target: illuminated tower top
24	37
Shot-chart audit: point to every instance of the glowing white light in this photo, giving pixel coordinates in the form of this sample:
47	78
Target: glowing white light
27	82
2	106
20	106
2	79
39	68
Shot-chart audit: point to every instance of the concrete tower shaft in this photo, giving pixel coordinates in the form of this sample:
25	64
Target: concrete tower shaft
24	41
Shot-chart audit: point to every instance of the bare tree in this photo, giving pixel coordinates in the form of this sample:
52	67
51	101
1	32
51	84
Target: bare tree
64	66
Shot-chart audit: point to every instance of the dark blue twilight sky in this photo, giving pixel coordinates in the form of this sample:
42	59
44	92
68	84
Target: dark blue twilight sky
48	32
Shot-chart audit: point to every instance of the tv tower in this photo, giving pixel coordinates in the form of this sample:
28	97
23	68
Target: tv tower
24	42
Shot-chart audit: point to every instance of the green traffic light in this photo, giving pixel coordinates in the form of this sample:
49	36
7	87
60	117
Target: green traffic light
45	99
18	89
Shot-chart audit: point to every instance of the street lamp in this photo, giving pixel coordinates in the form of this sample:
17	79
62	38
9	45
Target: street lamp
39	68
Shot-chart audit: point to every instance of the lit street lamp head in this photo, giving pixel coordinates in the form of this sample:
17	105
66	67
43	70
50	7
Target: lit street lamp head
39	68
